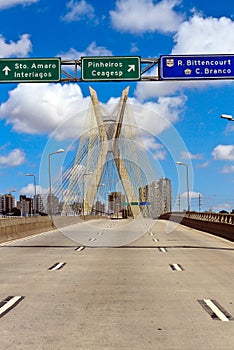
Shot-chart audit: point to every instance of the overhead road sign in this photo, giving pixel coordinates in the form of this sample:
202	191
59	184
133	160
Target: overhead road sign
196	67
16	70
110	68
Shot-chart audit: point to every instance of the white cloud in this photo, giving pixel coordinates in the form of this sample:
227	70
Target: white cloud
29	190
61	109
78	10
223	152
158	151
229	128
191	194
201	35
14	158
136	16
40	108
189	155
21	48
228	169
91	50
146	90
202	165
152	118
197	35
134	48
223	206
157	116
10	3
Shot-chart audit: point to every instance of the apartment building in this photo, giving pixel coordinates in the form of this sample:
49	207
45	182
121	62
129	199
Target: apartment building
158	194
7	203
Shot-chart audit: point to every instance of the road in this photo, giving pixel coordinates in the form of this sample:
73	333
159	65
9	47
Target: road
157	292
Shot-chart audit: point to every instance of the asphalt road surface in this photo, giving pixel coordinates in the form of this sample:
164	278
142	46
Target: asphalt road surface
170	288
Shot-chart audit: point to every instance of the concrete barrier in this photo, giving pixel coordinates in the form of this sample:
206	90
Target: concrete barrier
221	229
14	228
19	227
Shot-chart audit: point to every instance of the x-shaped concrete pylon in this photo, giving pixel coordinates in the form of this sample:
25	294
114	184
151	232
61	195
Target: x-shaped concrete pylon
108	145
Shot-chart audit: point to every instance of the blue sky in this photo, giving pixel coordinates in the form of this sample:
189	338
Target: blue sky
182	118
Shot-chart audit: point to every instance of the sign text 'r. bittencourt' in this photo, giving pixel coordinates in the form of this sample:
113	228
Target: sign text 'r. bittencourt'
110	68
196	67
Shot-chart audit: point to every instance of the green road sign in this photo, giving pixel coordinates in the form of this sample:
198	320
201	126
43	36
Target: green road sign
110	68
134	203
16	70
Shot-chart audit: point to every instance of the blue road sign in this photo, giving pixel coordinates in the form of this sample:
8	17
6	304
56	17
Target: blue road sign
196	67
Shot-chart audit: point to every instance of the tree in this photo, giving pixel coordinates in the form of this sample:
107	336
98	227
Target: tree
15	212
224	212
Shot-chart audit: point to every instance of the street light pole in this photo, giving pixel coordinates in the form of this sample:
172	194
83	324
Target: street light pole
35	191
187	182
50	184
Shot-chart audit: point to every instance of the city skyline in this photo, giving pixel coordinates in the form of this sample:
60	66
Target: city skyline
180	120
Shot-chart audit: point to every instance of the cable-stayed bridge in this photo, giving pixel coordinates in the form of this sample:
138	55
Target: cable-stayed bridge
111	160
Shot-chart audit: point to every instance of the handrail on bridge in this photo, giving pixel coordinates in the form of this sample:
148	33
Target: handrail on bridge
207	216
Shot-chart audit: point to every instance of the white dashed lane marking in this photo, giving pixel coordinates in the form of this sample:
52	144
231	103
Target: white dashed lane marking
57	266
176	267
9	303
79	249
161	249
215	310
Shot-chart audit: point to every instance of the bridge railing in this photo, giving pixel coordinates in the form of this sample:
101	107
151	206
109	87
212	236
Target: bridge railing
216	223
211	217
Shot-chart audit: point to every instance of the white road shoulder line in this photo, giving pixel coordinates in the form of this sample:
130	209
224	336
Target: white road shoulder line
26	238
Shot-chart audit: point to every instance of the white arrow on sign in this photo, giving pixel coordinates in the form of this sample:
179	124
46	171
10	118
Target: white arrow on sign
6	70
131	67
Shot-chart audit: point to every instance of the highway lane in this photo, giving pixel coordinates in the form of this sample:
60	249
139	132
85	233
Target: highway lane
107	233
154	293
